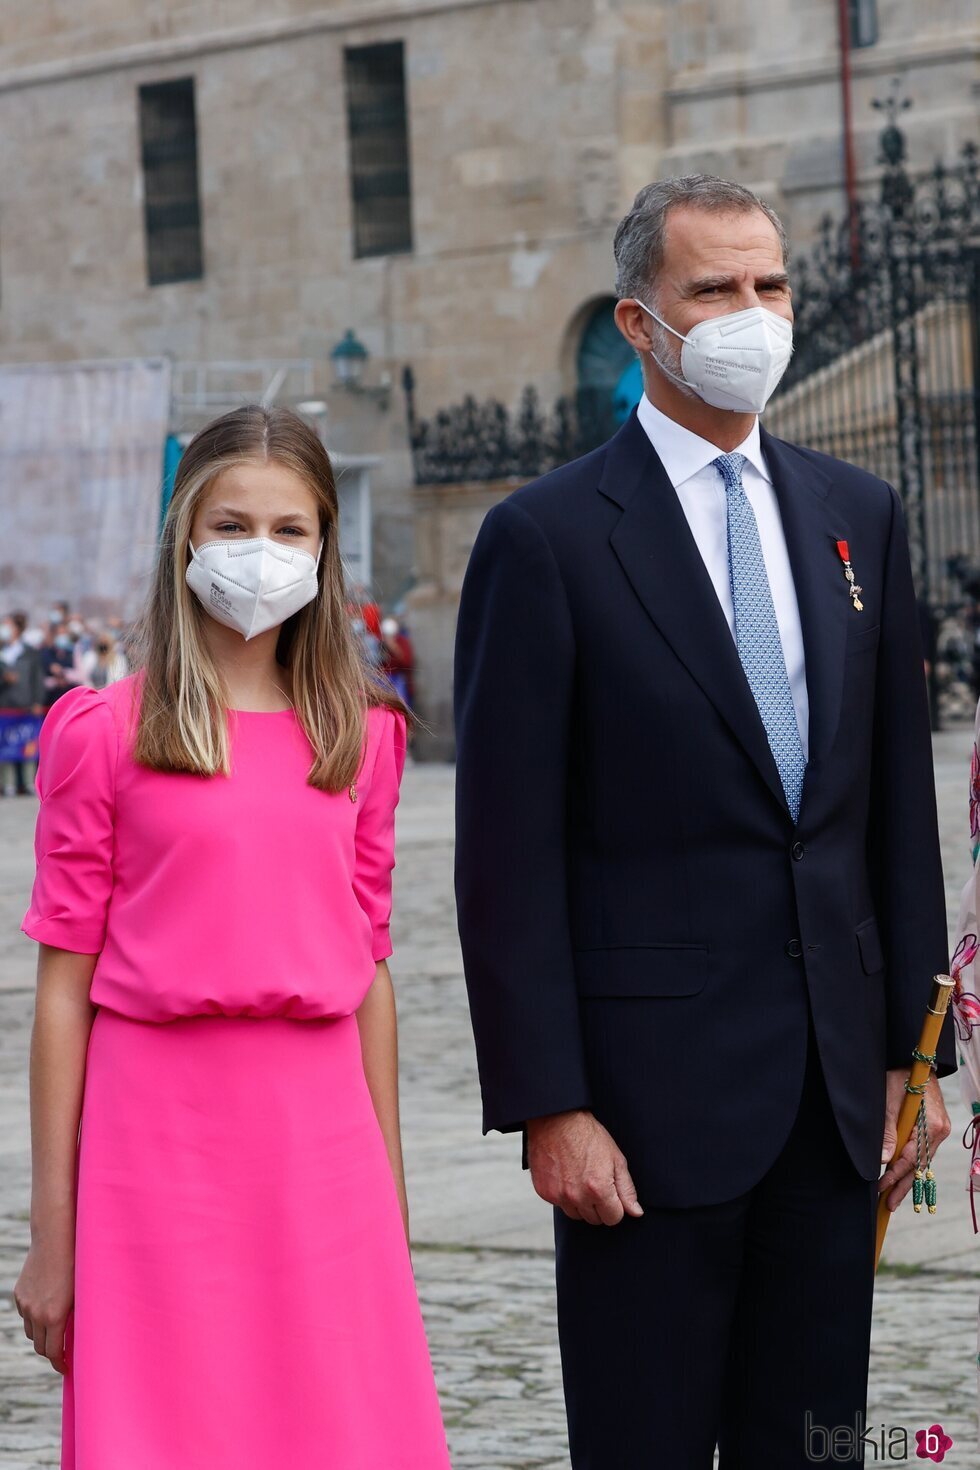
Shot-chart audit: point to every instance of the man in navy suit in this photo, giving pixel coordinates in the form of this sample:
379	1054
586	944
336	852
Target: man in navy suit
698	877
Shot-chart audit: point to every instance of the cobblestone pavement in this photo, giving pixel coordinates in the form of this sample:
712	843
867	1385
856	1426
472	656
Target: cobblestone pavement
482	1240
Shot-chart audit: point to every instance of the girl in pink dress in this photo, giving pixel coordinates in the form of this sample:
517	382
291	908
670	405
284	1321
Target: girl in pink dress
219	1261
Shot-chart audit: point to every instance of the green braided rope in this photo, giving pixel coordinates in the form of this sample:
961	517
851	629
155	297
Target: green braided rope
917	1089
924	1182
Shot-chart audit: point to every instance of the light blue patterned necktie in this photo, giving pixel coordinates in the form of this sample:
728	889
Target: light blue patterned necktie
757	633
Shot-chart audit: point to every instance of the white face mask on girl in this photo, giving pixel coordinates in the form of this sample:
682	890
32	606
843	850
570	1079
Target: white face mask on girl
252	585
733	361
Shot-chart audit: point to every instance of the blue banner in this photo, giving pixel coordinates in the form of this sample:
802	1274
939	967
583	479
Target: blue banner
19	730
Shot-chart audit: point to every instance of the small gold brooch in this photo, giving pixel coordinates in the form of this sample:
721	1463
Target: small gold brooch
352	792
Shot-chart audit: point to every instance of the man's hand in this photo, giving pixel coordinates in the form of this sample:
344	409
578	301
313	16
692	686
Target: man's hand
902	1172
575	1164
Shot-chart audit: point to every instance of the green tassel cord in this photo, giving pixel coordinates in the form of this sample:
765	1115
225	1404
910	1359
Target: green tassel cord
924	1180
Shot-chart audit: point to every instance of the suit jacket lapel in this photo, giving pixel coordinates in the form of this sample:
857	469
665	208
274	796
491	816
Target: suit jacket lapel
658	553
813	525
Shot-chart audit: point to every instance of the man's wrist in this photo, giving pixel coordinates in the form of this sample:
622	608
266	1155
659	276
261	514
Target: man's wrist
562	1113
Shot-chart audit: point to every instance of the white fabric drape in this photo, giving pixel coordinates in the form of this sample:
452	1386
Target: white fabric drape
81	473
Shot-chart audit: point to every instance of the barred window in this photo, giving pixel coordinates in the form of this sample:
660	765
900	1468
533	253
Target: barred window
172	210
377	125
862	18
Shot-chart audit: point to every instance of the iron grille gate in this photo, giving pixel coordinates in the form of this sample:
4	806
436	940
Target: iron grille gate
887	375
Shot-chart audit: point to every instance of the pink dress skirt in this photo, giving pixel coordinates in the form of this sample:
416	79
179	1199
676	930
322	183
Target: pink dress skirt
244	1293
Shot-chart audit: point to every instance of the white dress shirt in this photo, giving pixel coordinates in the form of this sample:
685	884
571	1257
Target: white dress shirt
687	458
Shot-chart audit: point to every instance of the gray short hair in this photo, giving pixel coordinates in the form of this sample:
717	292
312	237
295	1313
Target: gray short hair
641	235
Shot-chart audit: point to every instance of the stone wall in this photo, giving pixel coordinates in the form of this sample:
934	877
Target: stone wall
532	123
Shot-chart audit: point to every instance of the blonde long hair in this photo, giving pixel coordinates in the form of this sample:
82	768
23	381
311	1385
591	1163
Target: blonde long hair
181	724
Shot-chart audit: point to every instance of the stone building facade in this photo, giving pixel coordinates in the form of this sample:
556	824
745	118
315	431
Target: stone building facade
528	126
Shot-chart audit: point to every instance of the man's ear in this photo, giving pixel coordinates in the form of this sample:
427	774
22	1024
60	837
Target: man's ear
633	322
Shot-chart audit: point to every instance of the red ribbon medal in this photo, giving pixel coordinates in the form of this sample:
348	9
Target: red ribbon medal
853	587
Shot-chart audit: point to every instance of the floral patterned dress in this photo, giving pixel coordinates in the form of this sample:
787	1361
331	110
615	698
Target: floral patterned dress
966	1000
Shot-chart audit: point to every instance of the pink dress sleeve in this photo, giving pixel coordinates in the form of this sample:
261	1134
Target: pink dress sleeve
73	836
375	832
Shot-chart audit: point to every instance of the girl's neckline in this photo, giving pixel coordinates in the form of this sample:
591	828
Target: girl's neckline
287	711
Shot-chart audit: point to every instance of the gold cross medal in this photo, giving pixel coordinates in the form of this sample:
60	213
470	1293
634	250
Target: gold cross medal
852	586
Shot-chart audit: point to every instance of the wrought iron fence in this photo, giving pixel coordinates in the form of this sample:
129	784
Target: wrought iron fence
487	441
885	371
887	375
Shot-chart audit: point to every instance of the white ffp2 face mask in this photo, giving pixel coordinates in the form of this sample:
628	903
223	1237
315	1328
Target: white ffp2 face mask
733	361
252	585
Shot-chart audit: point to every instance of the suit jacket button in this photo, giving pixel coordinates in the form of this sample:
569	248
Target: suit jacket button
794	948
798	850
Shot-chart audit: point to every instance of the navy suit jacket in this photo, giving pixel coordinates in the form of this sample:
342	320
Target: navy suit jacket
642	927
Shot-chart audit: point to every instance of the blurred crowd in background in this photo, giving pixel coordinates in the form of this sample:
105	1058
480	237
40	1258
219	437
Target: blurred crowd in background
40	661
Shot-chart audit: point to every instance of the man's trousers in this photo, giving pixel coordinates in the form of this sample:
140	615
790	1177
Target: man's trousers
744	1324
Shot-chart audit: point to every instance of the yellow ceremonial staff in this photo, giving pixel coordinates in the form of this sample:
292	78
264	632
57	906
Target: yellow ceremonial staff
912	1113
